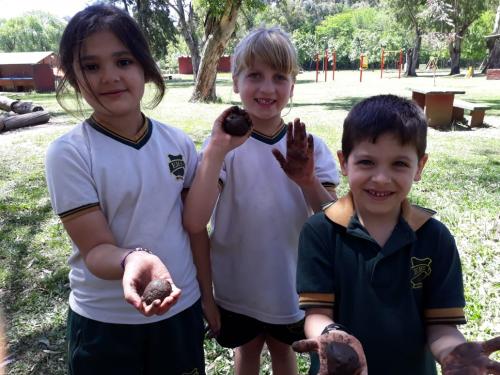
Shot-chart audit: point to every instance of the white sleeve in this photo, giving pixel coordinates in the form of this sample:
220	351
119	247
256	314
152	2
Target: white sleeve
69	178
324	163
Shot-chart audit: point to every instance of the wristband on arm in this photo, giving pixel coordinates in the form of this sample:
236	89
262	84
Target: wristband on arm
122	263
335	327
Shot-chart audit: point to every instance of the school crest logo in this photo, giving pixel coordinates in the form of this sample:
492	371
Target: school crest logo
421	269
177	166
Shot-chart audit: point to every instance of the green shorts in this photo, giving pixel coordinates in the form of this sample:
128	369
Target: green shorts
237	329
172	346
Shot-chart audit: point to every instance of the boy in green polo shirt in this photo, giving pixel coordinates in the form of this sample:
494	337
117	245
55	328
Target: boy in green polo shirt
384	270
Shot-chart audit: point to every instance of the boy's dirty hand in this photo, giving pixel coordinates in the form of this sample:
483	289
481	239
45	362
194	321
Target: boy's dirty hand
339	353
472	358
299	161
141	268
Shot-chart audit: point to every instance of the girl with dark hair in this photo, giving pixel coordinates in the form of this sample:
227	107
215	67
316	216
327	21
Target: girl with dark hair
116	182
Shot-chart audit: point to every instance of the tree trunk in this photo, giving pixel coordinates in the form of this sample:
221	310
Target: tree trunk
412	56
217	32
455	50
187	28
27	119
18	106
492	61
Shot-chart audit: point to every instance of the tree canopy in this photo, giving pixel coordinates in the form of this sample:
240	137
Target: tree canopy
449	29
33	31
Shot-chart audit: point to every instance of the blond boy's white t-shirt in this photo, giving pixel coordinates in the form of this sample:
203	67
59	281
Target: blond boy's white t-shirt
255	229
137	185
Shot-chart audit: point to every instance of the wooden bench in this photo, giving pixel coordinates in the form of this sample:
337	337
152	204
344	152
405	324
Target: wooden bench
493	74
476	111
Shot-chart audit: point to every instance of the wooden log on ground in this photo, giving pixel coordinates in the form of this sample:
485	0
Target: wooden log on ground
27	119
18	106
2	117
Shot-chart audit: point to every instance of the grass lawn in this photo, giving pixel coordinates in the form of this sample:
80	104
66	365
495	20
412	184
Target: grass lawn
461	182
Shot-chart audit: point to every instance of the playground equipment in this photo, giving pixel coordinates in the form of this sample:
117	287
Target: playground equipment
363	64
325	59
384	53
432	63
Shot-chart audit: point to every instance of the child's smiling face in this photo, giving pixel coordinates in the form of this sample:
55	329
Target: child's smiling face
108	75
264	92
381	175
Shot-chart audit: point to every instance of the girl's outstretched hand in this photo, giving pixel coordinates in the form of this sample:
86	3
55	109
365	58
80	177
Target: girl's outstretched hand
339	352
472	358
299	161
140	269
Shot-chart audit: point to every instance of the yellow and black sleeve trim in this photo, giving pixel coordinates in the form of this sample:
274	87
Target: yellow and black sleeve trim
79	211
452	315
316	300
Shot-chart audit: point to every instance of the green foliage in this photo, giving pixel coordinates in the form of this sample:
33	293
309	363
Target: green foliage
217	8
153	17
33	31
474	46
362	30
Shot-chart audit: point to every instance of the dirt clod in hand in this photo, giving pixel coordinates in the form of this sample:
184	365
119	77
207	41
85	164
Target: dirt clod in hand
237	122
341	359
156	289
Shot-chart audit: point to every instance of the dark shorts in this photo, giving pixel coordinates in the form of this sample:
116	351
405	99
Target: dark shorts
237	330
173	346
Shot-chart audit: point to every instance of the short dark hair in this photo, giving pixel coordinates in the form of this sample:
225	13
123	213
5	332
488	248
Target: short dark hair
97	18
382	114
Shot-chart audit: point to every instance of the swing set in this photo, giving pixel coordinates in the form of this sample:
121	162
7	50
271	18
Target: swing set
325	59
399	63
363	63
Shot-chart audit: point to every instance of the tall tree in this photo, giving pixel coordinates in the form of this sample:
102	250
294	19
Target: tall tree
153	17
457	16
33	31
187	26
410	13
493	42
220	23
219	26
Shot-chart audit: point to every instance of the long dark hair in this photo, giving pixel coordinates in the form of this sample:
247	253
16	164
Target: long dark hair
104	18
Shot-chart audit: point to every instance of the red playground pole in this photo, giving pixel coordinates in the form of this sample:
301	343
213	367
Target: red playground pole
400	61
361	68
317	66
334	64
382	56
325	64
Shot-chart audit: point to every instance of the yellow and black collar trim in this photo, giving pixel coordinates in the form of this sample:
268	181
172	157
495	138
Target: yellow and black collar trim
139	140
270	140
341	212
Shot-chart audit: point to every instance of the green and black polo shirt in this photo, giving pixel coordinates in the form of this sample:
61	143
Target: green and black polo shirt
385	296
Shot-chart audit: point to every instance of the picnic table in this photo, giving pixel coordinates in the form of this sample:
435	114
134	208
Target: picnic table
437	104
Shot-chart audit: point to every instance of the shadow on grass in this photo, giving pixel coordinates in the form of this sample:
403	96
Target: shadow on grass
178	83
31	354
34	285
342	103
22	220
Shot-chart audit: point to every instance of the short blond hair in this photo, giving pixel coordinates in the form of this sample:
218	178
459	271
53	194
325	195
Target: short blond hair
271	46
